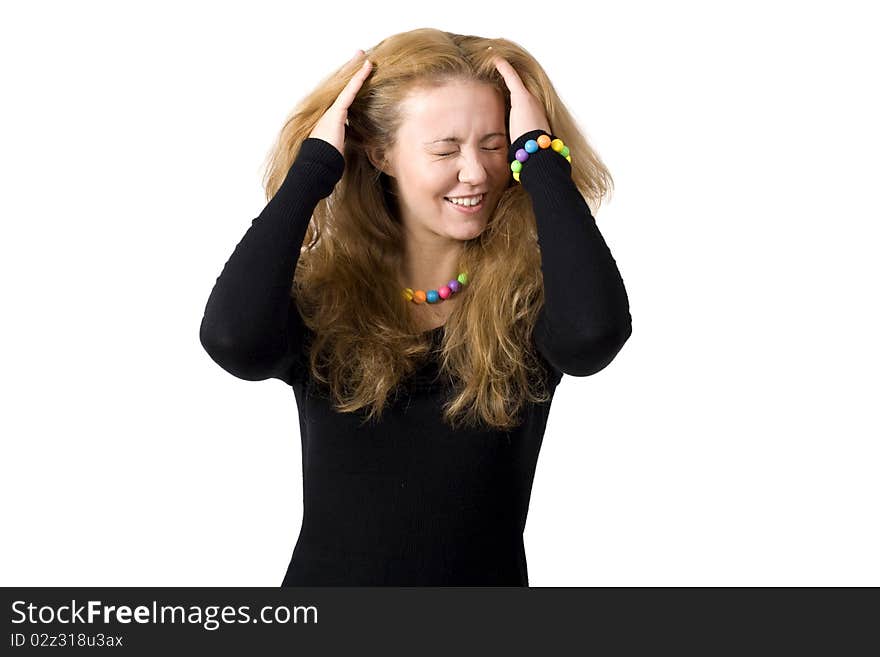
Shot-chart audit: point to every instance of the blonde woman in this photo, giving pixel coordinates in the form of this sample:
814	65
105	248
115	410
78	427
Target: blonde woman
424	272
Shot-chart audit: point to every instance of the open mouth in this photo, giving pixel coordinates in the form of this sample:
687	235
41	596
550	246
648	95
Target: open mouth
470	205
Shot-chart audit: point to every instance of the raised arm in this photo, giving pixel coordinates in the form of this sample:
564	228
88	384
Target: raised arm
251	326
585	319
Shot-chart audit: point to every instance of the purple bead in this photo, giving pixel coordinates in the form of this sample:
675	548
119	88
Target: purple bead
454	285
522	155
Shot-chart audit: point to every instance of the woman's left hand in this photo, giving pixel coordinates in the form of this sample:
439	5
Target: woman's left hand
526	112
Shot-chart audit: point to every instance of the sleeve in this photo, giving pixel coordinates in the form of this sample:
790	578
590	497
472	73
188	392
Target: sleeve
585	319
251	326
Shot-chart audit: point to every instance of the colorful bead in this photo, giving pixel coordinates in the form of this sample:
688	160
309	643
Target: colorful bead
463	278
432	296
419	296
532	146
454	285
444	292
408	293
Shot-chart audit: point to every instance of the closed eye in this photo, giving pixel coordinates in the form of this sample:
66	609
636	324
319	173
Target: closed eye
485	149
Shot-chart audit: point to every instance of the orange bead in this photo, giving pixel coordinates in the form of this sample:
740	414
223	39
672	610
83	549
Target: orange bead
543	141
419	296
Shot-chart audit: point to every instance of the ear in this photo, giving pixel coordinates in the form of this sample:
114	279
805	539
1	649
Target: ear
378	159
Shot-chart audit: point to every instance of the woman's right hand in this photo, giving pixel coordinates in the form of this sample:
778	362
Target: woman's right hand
331	126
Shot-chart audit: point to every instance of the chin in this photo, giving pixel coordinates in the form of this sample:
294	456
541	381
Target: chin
467	230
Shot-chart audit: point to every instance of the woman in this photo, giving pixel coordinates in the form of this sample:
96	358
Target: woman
422	282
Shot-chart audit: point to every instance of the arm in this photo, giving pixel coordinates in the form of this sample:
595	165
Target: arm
251	326
585	319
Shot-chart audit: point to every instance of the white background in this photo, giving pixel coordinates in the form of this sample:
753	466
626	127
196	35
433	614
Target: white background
733	440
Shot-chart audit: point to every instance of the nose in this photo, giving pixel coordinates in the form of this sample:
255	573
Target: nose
472	171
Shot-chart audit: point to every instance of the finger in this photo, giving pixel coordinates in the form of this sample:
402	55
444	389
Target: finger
347	95
511	77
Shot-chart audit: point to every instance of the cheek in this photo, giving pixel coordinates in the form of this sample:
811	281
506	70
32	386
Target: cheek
430	184
424	188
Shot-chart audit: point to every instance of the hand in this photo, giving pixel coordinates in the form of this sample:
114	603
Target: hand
526	112
331	126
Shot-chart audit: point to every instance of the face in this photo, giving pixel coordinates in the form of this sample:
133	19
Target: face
453	143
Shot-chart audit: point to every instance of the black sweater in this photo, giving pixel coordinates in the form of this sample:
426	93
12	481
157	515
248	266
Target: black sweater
410	502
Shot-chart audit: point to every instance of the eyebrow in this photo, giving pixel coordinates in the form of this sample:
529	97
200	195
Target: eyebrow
456	140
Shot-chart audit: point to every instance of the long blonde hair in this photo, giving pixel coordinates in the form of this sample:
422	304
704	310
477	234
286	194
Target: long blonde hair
346	281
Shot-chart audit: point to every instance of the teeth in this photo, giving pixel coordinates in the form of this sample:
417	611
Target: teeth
467	200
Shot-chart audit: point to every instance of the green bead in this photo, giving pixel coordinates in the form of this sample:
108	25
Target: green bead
462	278
564	152
516	166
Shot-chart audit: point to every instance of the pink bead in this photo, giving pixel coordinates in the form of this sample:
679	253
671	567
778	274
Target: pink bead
444	292
454	285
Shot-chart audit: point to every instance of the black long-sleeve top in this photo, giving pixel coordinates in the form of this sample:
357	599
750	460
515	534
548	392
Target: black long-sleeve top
411	502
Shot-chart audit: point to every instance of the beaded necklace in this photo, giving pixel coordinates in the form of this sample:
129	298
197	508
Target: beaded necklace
441	293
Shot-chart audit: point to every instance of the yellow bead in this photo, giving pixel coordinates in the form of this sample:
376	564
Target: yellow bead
557	145
408	294
516	176
568	157
543	141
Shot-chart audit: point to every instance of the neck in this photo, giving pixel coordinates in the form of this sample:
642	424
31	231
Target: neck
429	264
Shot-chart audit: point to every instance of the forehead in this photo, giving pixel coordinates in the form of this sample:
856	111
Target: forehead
459	109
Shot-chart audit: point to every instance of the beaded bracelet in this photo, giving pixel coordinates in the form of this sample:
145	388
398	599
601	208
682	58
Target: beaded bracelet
531	146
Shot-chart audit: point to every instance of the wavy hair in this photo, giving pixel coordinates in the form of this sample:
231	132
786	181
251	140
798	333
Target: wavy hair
346	285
